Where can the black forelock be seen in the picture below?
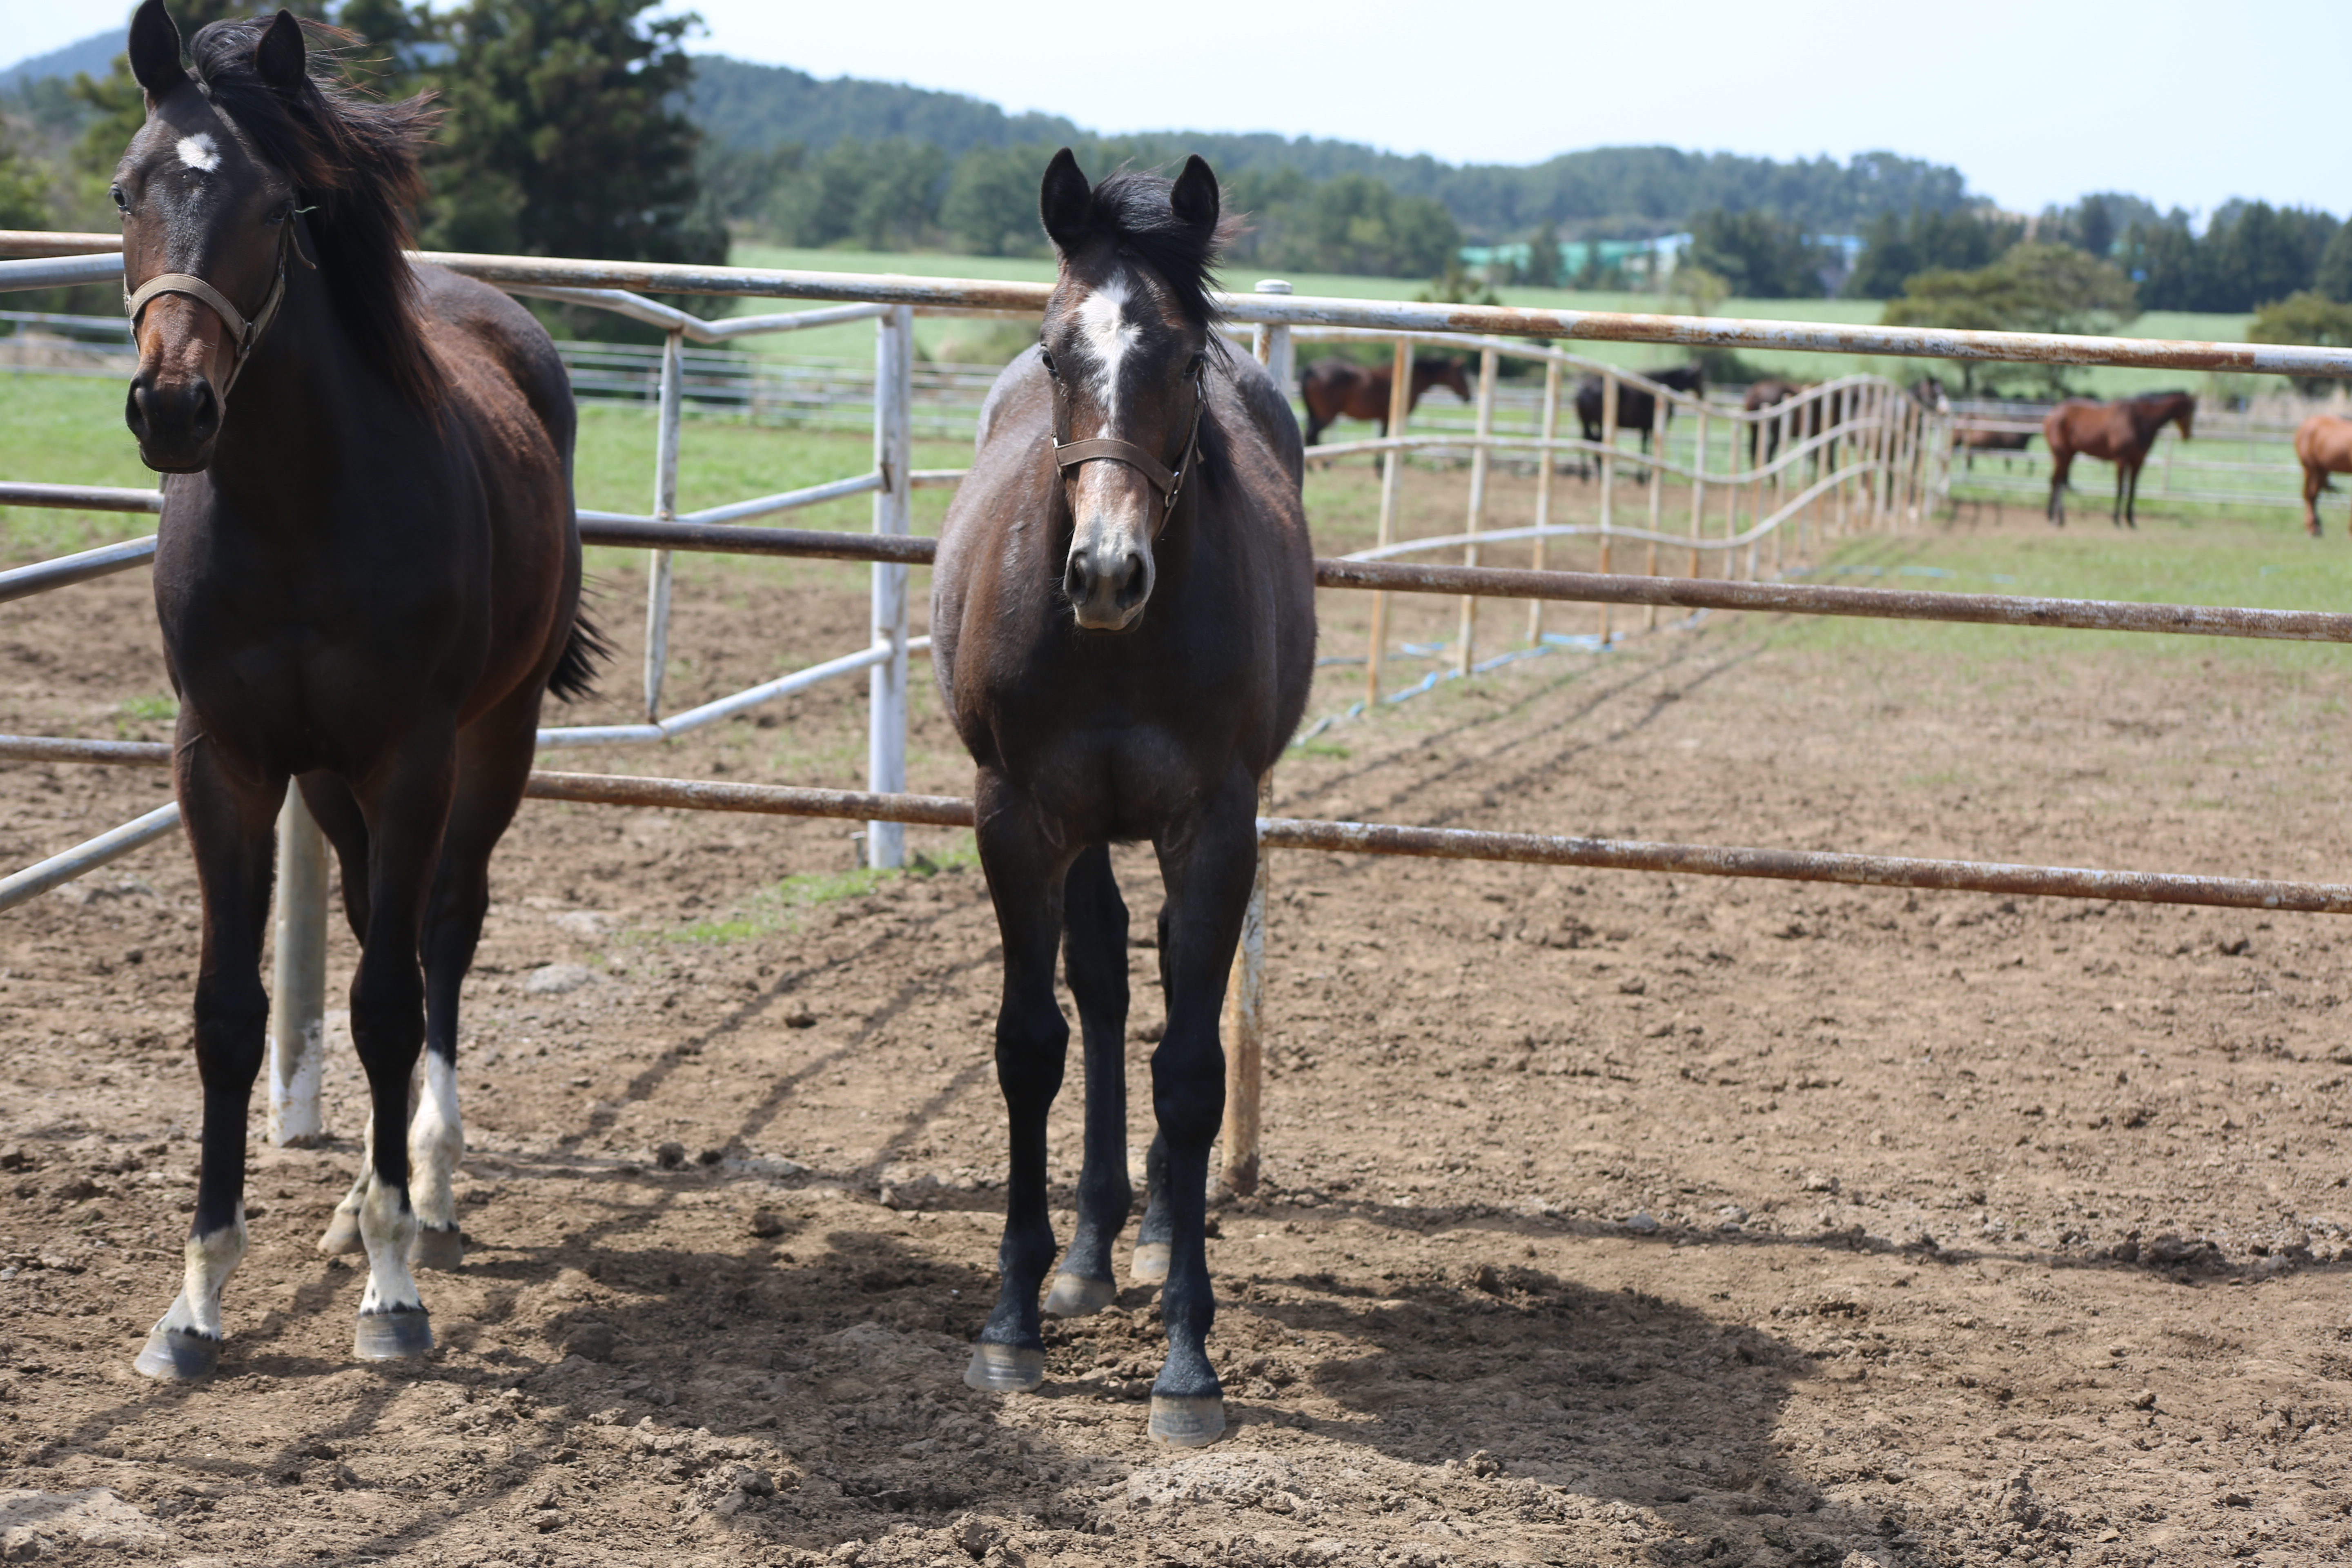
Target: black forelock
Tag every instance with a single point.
(354, 161)
(1133, 210)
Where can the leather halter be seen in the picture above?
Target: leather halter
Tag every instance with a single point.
(1169, 482)
(245, 331)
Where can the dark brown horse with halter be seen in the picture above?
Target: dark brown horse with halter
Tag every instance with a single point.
(1123, 629)
(1336, 389)
(367, 576)
(2324, 446)
(2120, 432)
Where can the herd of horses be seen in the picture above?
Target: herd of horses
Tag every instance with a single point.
(2120, 432)
(368, 580)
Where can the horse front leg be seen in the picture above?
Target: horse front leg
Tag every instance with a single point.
(2313, 480)
(230, 822)
(406, 805)
(1094, 960)
(1025, 869)
(1209, 864)
(2061, 463)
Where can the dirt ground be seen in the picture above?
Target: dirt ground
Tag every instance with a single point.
(1607, 1218)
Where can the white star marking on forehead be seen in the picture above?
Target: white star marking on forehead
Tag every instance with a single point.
(1102, 318)
(200, 152)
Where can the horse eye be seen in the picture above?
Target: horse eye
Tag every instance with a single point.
(122, 201)
(281, 213)
(1046, 355)
(1199, 359)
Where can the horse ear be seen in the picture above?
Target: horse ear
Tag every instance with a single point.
(1195, 196)
(155, 51)
(1061, 202)
(281, 57)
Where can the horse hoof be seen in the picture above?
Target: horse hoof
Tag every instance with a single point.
(394, 1335)
(1188, 1423)
(1150, 1264)
(1075, 1297)
(343, 1234)
(175, 1356)
(1004, 1369)
(436, 1247)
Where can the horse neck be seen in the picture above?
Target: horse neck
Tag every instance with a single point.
(289, 420)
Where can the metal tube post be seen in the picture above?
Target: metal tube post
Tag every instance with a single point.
(1272, 344)
(1658, 407)
(1488, 364)
(1608, 478)
(894, 457)
(1544, 461)
(1244, 1030)
(1392, 475)
(657, 577)
(1698, 484)
(297, 1002)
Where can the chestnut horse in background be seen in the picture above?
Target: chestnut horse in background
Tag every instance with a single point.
(1340, 389)
(2324, 446)
(2120, 432)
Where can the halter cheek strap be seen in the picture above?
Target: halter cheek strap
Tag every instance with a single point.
(1169, 482)
(244, 331)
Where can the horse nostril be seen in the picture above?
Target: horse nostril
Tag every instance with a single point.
(1130, 578)
(205, 416)
(1074, 575)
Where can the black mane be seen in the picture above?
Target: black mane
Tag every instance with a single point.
(355, 163)
(1133, 208)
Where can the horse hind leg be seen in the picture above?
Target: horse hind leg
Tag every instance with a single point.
(338, 815)
(1094, 957)
(494, 762)
(229, 827)
(408, 808)
(1148, 1265)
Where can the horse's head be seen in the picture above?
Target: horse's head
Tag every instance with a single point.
(207, 226)
(1448, 372)
(1128, 335)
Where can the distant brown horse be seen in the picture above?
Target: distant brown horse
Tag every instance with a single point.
(2324, 446)
(1637, 407)
(1340, 389)
(2120, 432)
(1972, 439)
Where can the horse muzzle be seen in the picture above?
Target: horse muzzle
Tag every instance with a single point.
(176, 420)
(1108, 581)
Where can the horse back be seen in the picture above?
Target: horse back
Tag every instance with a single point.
(512, 412)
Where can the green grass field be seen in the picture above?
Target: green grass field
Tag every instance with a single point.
(69, 430)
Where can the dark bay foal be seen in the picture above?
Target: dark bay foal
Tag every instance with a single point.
(367, 574)
(1123, 626)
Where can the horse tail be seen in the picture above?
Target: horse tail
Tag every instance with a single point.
(584, 649)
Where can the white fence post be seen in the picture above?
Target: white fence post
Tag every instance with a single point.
(1272, 344)
(1544, 460)
(1391, 477)
(1487, 362)
(298, 999)
(1244, 1031)
(657, 574)
(894, 456)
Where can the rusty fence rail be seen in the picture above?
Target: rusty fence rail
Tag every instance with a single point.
(1868, 450)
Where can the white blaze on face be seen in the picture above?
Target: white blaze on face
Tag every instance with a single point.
(1112, 501)
(199, 152)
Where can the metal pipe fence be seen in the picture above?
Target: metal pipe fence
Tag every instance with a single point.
(1854, 454)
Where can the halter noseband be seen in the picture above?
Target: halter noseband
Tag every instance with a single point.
(245, 331)
(1169, 482)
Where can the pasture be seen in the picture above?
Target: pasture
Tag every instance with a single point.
(1607, 1218)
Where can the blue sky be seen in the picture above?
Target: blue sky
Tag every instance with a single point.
(2035, 102)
